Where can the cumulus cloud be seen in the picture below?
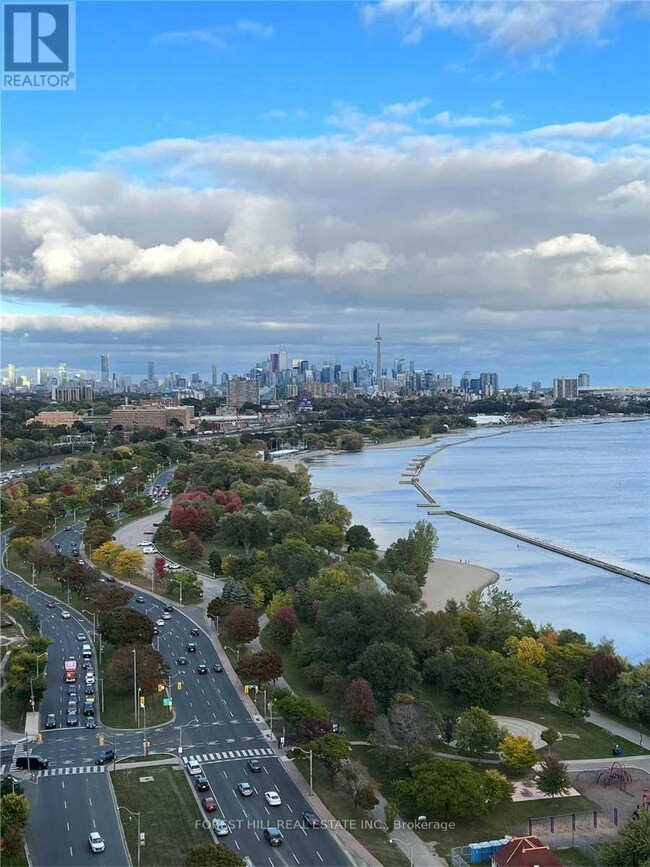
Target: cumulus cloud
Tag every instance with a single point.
(456, 121)
(81, 324)
(512, 27)
(220, 37)
(619, 126)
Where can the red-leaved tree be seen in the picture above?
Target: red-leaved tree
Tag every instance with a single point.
(158, 569)
(285, 623)
(360, 701)
(242, 625)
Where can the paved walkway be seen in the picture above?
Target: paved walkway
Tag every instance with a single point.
(609, 724)
(419, 853)
(517, 726)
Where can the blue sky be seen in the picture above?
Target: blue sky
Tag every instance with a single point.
(229, 177)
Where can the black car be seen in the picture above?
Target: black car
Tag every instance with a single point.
(105, 756)
(190, 647)
(202, 784)
(110, 579)
(139, 598)
(182, 660)
(168, 608)
(89, 709)
(90, 722)
(72, 719)
(254, 766)
(86, 664)
(89, 689)
(202, 668)
(50, 721)
(218, 667)
(310, 819)
(273, 836)
(156, 631)
(194, 631)
(72, 689)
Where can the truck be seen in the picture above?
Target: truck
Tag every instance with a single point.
(70, 666)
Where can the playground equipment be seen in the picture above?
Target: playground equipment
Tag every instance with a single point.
(616, 775)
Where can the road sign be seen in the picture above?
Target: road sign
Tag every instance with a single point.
(167, 702)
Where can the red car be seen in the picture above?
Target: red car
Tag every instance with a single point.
(51, 604)
(209, 805)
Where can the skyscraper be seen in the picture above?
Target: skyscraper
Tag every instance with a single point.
(11, 374)
(215, 381)
(583, 380)
(105, 368)
(378, 371)
(565, 388)
(63, 371)
(489, 383)
(151, 371)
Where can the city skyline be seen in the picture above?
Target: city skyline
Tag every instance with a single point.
(417, 176)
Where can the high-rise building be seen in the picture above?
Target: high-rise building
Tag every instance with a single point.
(536, 385)
(378, 370)
(282, 359)
(583, 380)
(489, 384)
(195, 378)
(11, 374)
(151, 371)
(241, 391)
(63, 371)
(105, 364)
(465, 381)
(565, 389)
(215, 381)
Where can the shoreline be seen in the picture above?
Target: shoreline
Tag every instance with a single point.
(448, 579)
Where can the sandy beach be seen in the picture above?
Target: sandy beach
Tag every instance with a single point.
(451, 579)
(290, 461)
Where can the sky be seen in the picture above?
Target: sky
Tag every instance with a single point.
(232, 177)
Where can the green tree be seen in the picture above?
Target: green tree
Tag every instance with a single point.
(297, 645)
(365, 798)
(236, 593)
(125, 626)
(358, 536)
(23, 545)
(209, 855)
(552, 778)
(550, 736)
(443, 788)
(214, 562)
(477, 733)
(327, 536)
(296, 560)
(295, 709)
(7, 787)
(13, 841)
(263, 665)
(573, 699)
(389, 668)
(14, 810)
(521, 681)
(413, 554)
(518, 752)
(331, 749)
(633, 846)
(248, 529)
(498, 789)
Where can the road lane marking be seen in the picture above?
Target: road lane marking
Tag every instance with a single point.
(289, 808)
(257, 835)
(67, 824)
(319, 854)
(304, 832)
(71, 852)
(296, 860)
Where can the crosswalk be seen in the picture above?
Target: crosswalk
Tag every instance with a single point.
(229, 755)
(61, 772)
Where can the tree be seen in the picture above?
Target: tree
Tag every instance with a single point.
(263, 665)
(106, 598)
(413, 554)
(550, 736)
(521, 681)
(498, 789)
(477, 733)
(193, 547)
(218, 607)
(13, 841)
(633, 846)
(388, 668)
(365, 798)
(127, 564)
(284, 624)
(297, 646)
(327, 536)
(470, 673)
(442, 788)
(236, 593)
(360, 701)
(331, 749)
(186, 583)
(242, 625)
(330, 510)
(209, 855)
(214, 562)
(296, 560)
(526, 649)
(14, 810)
(7, 786)
(295, 709)
(280, 599)
(125, 626)
(23, 545)
(630, 694)
(358, 536)
(249, 529)
(552, 778)
(602, 670)
(76, 577)
(151, 669)
(573, 699)
(107, 553)
(158, 570)
(518, 752)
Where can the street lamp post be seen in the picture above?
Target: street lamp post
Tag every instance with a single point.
(93, 614)
(228, 647)
(181, 726)
(309, 753)
(37, 658)
(135, 684)
(131, 814)
(397, 843)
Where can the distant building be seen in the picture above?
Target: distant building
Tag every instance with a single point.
(241, 391)
(489, 384)
(536, 385)
(583, 380)
(105, 365)
(565, 389)
(54, 419)
(151, 371)
(215, 381)
(72, 392)
(152, 417)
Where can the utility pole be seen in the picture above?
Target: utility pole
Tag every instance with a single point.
(135, 684)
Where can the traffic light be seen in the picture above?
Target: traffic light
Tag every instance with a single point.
(161, 687)
(246, 689)
(101, 740)
(39, 738)
(179, 684)
(141, 701)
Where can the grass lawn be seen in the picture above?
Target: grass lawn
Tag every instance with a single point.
(170, 816)
(13, 860)
(341, 806)
(577, 857)
(12, 713)
(118, 706)
(153, 757)
(208, 547)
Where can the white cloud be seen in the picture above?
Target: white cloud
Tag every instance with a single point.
(216, 37)
(80, 324)
(404, 109)
(513, 27)
(619, 126)
(456, 121)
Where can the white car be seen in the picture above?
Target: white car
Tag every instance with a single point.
(65, 615)
(149, 551)
(96, 842)
(220, 827)
(193, 767)
(143, 544)
(167, 616)
(90, 678)
(160, 622)
(272, 799)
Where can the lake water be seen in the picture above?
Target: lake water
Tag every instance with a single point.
(583, 486)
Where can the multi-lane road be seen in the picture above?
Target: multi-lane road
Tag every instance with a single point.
(73, 797)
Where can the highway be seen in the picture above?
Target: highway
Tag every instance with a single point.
(216, 729)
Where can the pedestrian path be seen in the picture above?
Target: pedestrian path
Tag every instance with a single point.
(62, 772)
(229, 755)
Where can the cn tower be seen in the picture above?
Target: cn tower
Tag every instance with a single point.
(378, 339)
